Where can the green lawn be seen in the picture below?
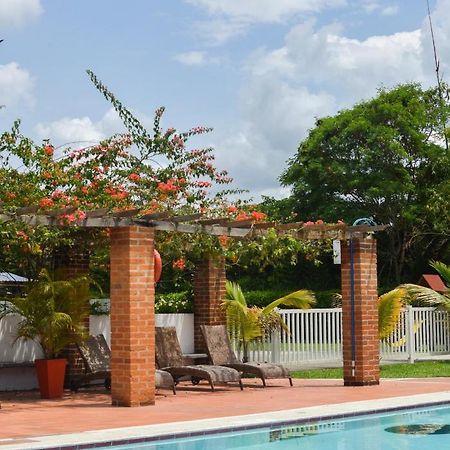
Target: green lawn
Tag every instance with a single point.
(417, 370)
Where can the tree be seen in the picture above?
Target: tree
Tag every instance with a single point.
(384, 158)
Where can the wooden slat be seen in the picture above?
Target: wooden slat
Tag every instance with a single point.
(60, 211)
(186, 218)
(125, 213)
(290, 226)
(27, 210)
(239, 223)
(217, 221)
(155, 216)
(100, 212)
(264, 225)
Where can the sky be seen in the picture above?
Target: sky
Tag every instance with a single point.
(258, 71)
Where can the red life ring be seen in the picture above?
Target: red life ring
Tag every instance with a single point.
(158, 265)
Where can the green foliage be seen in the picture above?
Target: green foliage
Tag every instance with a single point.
(383, 158)
(174, 302)
(249, 323)
(389, 308)
(53, 312)
(429, 297)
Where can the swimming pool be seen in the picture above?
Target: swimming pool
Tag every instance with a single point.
(407, 430)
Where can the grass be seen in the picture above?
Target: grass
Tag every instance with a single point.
(417, 370)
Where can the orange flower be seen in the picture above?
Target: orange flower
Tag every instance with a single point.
(22, 235)
(258, 216)
(48, 149)
(223, 240)
(46, 203)
(242, 216)
(232, 209)
(134, 177)
(179, 264)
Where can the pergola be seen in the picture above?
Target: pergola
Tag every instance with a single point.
(133, 292)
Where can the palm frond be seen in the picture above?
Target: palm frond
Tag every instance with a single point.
(302, 299)
(234, 292)
(389, 308)
(443, 270)
(426, 296)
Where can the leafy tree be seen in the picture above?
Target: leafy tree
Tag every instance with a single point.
(384, 158)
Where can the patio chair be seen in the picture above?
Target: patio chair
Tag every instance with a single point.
(96, 355)
(220, 353)
(170, 358)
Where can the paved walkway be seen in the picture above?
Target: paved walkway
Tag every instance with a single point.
(24, 415)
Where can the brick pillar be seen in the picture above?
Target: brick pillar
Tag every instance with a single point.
(70, 263)
(365, 341)
(132, 316)
(209, 292)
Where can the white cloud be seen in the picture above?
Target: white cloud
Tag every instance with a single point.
(317, 72)
(231, 18)
(16, 13)
(390, 10)
(193, 58)
(264, 10)
(16, 85)
(80, 129)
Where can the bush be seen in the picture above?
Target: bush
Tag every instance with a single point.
(174, 302)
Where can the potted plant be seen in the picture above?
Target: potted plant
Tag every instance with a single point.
(54, 314)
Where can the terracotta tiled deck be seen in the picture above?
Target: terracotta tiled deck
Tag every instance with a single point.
(24, 415)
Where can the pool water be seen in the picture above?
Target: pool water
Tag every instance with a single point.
(419, 429)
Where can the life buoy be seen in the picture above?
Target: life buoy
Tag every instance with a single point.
(158, 265)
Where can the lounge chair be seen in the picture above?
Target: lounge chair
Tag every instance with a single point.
(170, 358)
(220, 353)
(96, 355)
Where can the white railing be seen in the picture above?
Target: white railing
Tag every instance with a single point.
(315, 336)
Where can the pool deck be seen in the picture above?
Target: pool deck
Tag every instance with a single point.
(27, 422)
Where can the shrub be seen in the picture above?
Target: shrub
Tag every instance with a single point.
(174, 302)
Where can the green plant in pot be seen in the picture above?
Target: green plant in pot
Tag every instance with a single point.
(53, 314)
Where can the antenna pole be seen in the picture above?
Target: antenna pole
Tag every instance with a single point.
(437, 67)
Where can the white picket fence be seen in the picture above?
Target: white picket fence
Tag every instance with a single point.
(315, 336)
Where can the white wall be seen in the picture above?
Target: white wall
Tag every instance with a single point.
(184, 323)
(23, 378)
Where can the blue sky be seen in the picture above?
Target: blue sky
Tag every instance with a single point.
(258, 71)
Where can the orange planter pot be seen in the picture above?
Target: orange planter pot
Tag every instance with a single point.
(50, 373)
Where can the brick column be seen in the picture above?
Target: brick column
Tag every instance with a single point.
(70, 263)
(365, 327)
(209, 292)
(132, 316)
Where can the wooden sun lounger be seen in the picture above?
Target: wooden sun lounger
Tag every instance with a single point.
(170, 358)
(221, 354)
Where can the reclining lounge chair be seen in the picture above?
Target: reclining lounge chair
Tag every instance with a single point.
(170, 358)
(97, 356)
(221, 354)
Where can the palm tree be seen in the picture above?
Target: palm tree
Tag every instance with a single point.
(429, 297)
(250, 323)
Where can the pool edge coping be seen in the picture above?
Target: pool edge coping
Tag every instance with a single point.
(200, 427)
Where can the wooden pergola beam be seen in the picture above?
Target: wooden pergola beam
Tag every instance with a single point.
(238, 229)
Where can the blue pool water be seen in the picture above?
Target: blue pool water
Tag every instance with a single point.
(427, 429)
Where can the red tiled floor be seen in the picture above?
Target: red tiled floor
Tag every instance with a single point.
(25, 414)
